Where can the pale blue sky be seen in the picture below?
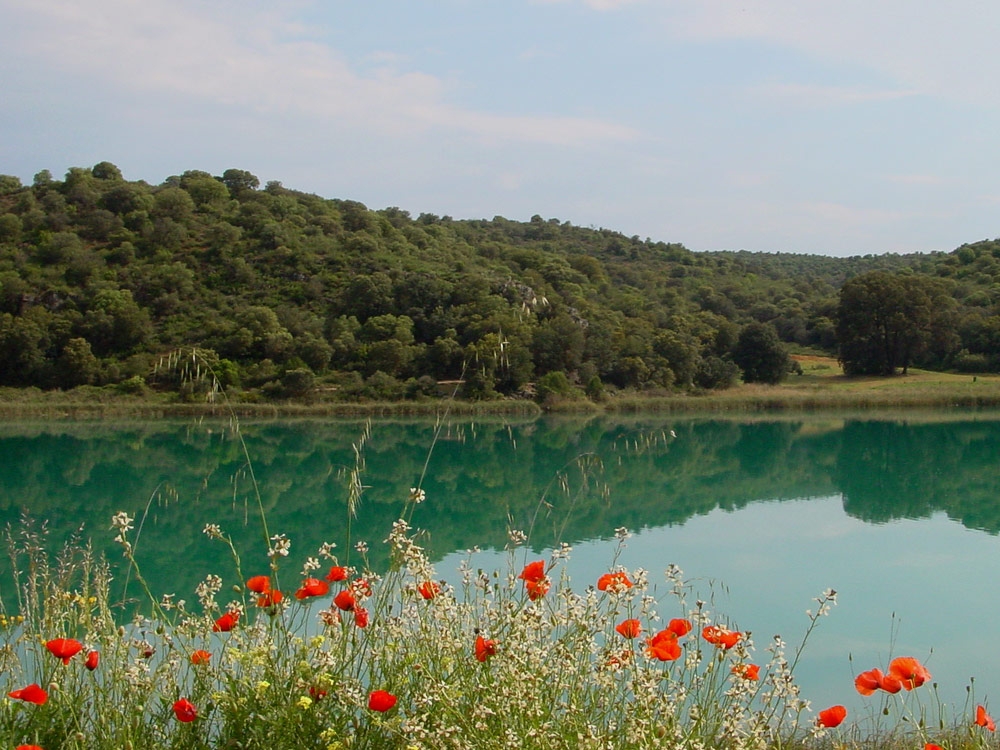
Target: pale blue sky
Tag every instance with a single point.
(843, 127)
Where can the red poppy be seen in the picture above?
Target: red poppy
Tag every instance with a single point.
(537, 589)
(617, 581)
(380, 700)
(337, 573)
(201, 656)
(747, 671)
(64, 648)
(270, 598)
(28, 747)
(226, 623)
(868, 682)
(664, 646)
(185, 711)
(317, 693)
(721, 637)
(909, 671)
(831, 717)
(93, 659)
(629, 628)
(312, 587)
(345, 600)
(679, 626)
(259, 584)
(30, 694)
(485, 648)
(361, 617)
(932, 746)
(429, 589)
(983, 719)
(533, 572)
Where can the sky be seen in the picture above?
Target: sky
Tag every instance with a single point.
(844, 127)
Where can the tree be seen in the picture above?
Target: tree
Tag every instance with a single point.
(886, 320)
(239, 181)
(760, 354)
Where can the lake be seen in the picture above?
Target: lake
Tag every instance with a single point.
(899, 513)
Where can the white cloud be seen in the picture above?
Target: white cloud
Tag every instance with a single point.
(935, 49)
(249, 56)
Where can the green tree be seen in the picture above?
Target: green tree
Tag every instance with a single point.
(760, 354)
(886, 320)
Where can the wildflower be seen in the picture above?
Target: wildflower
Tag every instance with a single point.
(619, 659)
(983, 719)
(721, 637)
(679, 626)
(64, 648)
(932, 746)
(533, 572)
(485, 648)
(30, 694)
(868, 682)
(259, 584)
(663, 646)
(747, 671)
(629, 628)
(909, 671)
(280, 545)
(28, 747)
(361, 617)
(201, 656)
(226, 623)
(345, 600)
(616, 582)
(329, 617)
(831, 717)
(429, 589)
(304, 701)
(337, 573)
(312, 587)
(417, 495)
(380, 700)
(185, 711)
(93, 659)
(270, 598)
(317, 693)
(537, 589)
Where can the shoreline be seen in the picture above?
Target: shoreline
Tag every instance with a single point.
(835, 396)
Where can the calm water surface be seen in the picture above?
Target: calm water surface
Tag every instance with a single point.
(899, 514)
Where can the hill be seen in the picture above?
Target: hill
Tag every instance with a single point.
(287, 294)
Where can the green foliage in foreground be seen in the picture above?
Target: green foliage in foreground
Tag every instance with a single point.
(292, 296)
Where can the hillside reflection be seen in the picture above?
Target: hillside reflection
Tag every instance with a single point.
(562, 479)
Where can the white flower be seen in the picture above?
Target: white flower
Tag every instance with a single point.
(280, 545)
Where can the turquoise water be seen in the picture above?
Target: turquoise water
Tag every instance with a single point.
(899, 514)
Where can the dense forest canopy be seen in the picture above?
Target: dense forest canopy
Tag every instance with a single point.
(288, 294)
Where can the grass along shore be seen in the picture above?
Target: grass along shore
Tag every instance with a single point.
(821, 386)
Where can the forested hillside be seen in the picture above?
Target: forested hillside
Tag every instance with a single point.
(289, 294)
